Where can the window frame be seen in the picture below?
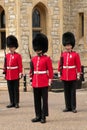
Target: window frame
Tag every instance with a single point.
(2, 29)
(36, 29)
(81, 25)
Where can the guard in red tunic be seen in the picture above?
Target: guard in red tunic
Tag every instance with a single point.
(13, 71)
(70, 69)
(41, 78)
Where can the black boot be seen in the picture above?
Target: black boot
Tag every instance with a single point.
(10, 105)
(74, 111)
(17, 105)
(67, 110)
(43, 119)
(36, 119)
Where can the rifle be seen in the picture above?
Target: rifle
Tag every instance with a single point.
(31, 63)
(5, 64)
(61, 62)
(82, 73)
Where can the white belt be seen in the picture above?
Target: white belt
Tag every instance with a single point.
(69, 67)
(40, 72)
(12, 68)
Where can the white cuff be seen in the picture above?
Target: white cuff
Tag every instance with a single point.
(78, 75)
(49, 82)
(20, 75)
(58, 74)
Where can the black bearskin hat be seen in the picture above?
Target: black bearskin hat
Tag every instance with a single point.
(12, 41)
(68, 38)
(40, 42)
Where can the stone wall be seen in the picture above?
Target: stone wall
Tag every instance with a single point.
(66, 15)
(61, 16)
(55, 29)
(25, 29)
(77, 7)
(24, 14)
(19, 23)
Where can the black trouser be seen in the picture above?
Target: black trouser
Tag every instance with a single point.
(41, 101)
(70, 94)
(13, 89)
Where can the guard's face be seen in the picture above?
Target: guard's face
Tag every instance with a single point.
(68, 47)
(12, 49)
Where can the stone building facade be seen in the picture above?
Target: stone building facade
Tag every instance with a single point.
(24, 18)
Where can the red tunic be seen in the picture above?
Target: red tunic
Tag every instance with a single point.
(71, 66)
(13, 66)
(43, 71)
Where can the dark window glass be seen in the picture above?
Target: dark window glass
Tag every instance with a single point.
(2, 29)
(3, 19)
(36, 18)
(82, 24)
(3, 42)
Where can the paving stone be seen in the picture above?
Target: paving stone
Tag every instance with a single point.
(20, 119)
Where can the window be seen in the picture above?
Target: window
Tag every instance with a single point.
(2, 28)
(36, 19)
(81, 25)
(39, 19)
